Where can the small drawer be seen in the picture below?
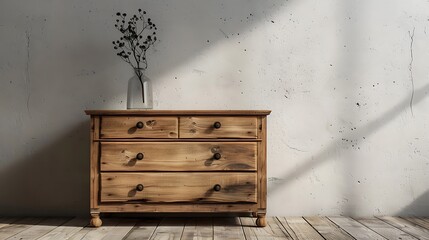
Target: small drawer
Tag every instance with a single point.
(218, 127)
(179, 187)
(178, 156)
(139, 127)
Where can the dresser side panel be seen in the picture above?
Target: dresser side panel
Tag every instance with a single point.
(262, 164)
(94, 156)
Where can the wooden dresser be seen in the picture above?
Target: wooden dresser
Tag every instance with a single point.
(178, 161)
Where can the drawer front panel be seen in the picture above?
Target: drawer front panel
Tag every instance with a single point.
(179, 187)
(139, 127)
(218, 127)
(178, 156)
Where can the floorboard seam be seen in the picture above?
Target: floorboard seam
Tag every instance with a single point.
(369, 228)
(313, 228)
(281, 224)
(414, 223)
(341, 228)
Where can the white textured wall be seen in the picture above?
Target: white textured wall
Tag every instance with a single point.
(347, 82)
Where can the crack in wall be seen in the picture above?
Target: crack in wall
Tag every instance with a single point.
(296, 149)
(27, 72)
(410, 68)
(224, 34)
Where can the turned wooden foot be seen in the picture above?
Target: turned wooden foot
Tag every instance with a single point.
(95, 220)
(261, 221)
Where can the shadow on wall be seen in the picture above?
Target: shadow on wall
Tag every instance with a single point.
(52, 180)
(324, 154)
(188, 28)
(415, 208)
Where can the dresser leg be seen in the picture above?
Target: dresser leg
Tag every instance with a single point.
(261, 221)
(95, 220)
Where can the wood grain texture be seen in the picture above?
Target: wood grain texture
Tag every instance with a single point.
(116, 141)
(327, 229)
(300, 228)
(144, 229)
(411, 228)
(18, 226)
(178, 156)
(178, 187)
(208, 228)
(178, 112)
(66, 230)
(121, 230)
(42, 228)
(231, 127)
(96, 233)
(419, 221)
(355, 229)
(125, 127)
(179, 207)
(227, 229)
(384, 229)
(178, 140)
(262, 163)
(169, 229)
(198, 229)
(273, 230)
(94, 166)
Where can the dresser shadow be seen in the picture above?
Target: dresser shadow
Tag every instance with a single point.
(50, 180)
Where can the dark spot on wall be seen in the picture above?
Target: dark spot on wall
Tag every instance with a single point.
(358, 104)
(208, 40)
(272, 21)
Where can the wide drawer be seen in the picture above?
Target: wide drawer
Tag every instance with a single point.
(179, 187)
(139, 127)
(218, 127)
(178, 156)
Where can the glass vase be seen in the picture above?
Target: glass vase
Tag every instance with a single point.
(139, 95)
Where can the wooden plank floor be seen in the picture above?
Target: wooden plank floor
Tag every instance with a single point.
(242, 228)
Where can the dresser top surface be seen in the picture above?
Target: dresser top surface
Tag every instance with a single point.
(178, 112)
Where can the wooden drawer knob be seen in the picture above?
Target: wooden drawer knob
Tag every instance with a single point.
(139, 187)
(217, 156)
(139, 125)
(217, 187)
(139, 156)
(217, 125)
